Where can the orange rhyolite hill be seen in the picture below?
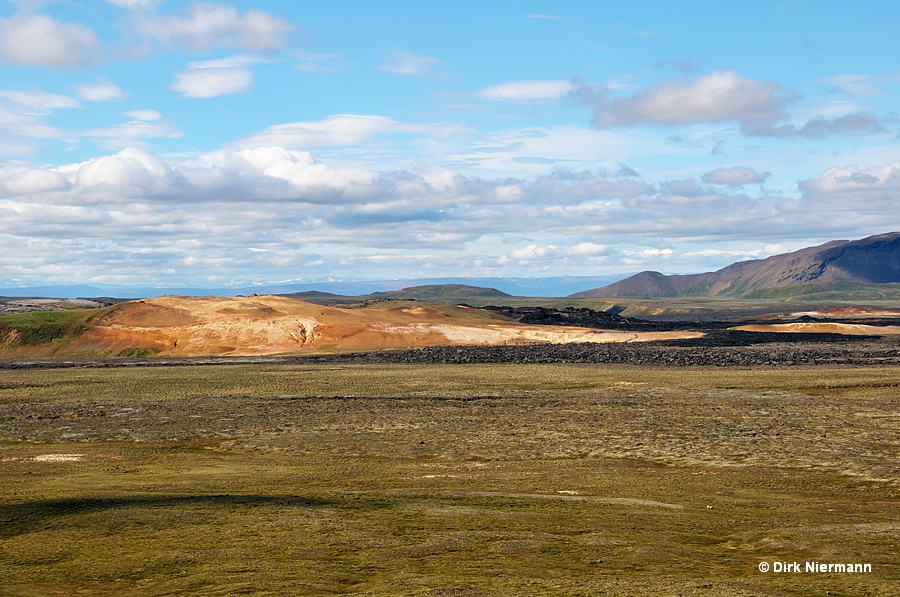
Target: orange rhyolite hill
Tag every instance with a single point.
(260, 325)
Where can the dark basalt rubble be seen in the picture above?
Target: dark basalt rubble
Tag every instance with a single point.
(650, 354)
(584, 317)
(808, 350)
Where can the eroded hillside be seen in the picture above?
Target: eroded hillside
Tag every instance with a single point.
(259, 325)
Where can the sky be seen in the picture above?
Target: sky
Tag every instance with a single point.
(148, 142)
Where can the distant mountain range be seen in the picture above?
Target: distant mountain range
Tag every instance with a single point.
(872, 260)
(841, 268)
(553, 286)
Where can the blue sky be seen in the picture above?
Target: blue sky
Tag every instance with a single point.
(212, 144)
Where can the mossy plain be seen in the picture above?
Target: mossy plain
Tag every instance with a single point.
(446, 480)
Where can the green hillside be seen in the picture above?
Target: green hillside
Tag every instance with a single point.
(43, 327)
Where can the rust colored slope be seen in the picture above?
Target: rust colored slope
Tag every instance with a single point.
(270, 325)
(848, 329)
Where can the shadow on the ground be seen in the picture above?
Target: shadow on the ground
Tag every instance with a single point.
(27, 517)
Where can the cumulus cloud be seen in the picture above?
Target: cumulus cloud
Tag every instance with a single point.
(38, 40)
(101, 91)
(531, 253)
(20, 180)
(39, 100)
(534, 252)
(212, 78)
(870, 189)
(736, 176)
(721, 96)
(525, 90)
(206, 26)
(664, 253)
(131, 170)
(588, 248)
(406, 63)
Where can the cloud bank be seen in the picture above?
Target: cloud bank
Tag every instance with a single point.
(241, 212)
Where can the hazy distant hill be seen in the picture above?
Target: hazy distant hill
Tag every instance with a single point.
(872, 260)
(433, 291)
(428, 292)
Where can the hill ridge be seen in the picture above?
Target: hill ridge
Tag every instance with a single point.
(871, 260)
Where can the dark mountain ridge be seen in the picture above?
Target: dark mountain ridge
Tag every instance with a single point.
(872, 260)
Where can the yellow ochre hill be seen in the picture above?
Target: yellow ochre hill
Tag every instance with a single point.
(259, 325)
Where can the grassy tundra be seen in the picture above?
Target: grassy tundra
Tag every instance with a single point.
(447, 480)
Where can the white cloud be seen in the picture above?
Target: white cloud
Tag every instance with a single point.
(646, 253)
(144, 115)
(207, 26)
(526, 90)
(336, 130)
(720, 96)
(101, 91)
(132, 133)
(405, 63)
(589, 249)
(534, 252)
(736, 176)
(24, 181)
(867, 190)
(341, 130)
(135, 214)
(212, 78)
(39, 100)
(38, 40)
(131, 170)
